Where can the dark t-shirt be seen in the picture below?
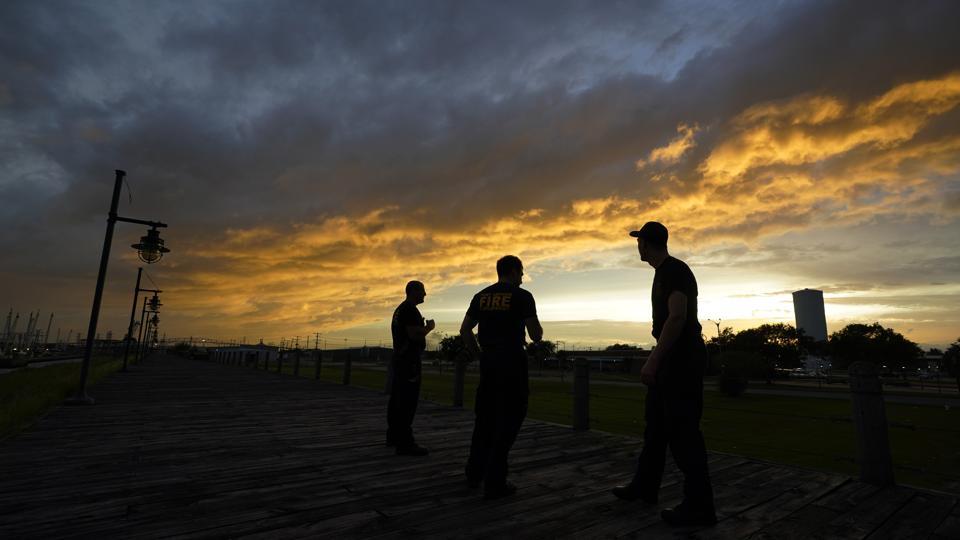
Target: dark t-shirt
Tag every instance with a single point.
(675, 275)
(501, 310)
(406, 315)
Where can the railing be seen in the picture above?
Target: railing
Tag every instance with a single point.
(584, 404)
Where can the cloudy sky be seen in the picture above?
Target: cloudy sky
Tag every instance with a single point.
(311, 157)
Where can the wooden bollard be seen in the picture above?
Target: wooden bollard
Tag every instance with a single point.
(459, 375)
(296, 363)
(388, 383)
(870, 419)
(316, 372)
(581, 395)
(346, 369)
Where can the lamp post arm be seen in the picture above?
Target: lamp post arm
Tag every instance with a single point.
(141, 222)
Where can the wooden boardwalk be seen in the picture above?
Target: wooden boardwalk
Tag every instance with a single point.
(199, 450)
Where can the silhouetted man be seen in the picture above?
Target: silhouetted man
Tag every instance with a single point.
(674, 376)
(409, 340)
(503, 311)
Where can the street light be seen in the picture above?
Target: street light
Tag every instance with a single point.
(151, 305)
(133, 311)
(153, 251)
(717, 322)
(150, 249)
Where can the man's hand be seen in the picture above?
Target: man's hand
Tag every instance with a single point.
(648, 375)
(431, 325)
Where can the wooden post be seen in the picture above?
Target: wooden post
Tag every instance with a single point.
(316, 373)
(346, 369)
(388, 383)
(459, 374)
(581, 395)
(280, 362)
(870, 419)
(296, 363)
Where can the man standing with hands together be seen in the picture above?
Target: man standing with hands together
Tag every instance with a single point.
(409, 341)
(674, 376)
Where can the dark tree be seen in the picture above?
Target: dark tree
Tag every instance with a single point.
(776, 345)
(723, 342)
(623, 347)
(951, 361)
(873, 343)
(541, 350)
(451, 347)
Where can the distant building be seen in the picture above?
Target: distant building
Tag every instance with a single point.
(808, 310)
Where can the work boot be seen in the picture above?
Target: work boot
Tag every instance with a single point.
(505, 490)
(631, 493)
(683, 515)
(412, 450)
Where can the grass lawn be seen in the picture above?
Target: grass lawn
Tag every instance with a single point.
(28, 394)
(809, 432)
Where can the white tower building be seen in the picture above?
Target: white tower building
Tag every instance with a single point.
(808, 310)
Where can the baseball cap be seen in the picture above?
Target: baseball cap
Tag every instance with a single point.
(652, 231)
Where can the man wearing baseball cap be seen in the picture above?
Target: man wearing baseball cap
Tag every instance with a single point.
(674, 377)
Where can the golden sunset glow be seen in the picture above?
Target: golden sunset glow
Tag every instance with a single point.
(305, 184)
(771, 173)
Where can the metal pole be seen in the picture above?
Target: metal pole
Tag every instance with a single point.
(133, 313)
(142, 333)
(81, 397)
(46, 338)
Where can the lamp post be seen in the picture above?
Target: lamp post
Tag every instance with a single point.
(133, 312)
(717, 322)
(150, 249)
(149, 306)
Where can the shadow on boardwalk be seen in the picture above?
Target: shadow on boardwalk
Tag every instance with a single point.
(195, 449)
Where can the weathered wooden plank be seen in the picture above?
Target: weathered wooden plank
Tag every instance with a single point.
(193, 449)
(866, 517)
(811, 487)
(918, 518)
(950, 527)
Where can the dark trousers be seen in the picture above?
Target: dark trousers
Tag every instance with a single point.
(404, 395)
(672, 415)
(500, 409)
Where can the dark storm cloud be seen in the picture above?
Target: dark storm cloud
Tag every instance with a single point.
(265, 116)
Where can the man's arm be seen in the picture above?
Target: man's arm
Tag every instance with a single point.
(672, 329)
(534, 330)
(417, 332)
(469, 339)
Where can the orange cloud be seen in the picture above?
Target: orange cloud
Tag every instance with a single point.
(672, 152)
(775, 167)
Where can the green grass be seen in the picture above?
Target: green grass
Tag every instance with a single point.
(809, 432)
(28, 394)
